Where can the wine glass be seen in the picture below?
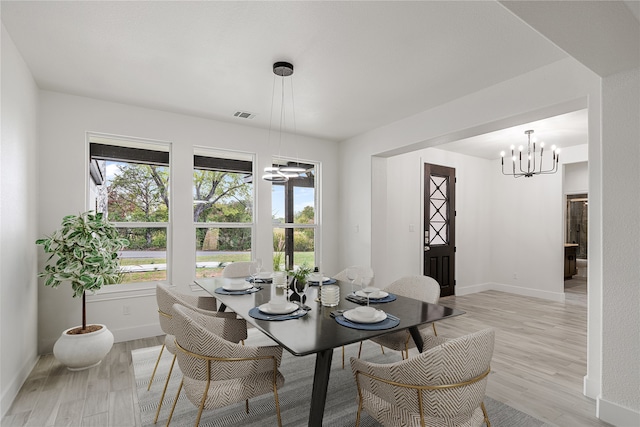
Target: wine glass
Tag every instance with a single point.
(258, 265)
(352, 275)
(253, 272)
(367, 277)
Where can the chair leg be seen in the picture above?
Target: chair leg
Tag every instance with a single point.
(156, 367)
(342, 357)
(166, 383)
(359, 410)
(201, 408)
(275, 396)
(486, 416)
(382, 348)
(360, 350)
(433, 325)
(246, 406)
(174, 403)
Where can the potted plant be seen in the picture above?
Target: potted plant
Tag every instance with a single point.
(84, 252)
(298, 278)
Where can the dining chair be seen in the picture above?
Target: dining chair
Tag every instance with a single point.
(238, 269)
(443, 386)
(217, 372)
(423, 288)
(167, 296)
(342, 277)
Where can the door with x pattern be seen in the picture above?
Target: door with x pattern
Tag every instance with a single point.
(439, 226)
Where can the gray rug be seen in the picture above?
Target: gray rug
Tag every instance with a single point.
(340, 409)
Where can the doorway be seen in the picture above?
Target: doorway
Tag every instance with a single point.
(440, 226)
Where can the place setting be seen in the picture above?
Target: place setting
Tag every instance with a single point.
(366, 318)
(314, 279)
(261, 277)
(237, 287)
(282, 307)
(370, 295)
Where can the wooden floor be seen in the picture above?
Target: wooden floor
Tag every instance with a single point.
(538, 367)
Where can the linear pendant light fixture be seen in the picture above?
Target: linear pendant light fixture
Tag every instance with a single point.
(275, 173)
(532, 158)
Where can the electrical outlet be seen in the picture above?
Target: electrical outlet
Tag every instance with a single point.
(126, 310)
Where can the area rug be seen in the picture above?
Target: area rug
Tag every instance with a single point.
(295, 395)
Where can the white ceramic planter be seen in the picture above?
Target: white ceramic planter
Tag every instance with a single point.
(78, 352)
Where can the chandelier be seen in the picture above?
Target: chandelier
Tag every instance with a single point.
(282, 173)
(532, 158)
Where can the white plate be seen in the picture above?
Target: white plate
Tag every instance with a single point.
(235, 287)
(375, 295)
(289, 308)
(314, 279)
(353, 316)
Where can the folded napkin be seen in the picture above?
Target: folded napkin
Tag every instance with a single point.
(363, 300)
(223, 291)
(257, 314)
(388, 323)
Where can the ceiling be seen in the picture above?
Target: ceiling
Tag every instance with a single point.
(358, 65)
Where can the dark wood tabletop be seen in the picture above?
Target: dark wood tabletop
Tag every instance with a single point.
(317, 332)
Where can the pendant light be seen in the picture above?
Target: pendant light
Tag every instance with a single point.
(275, 173)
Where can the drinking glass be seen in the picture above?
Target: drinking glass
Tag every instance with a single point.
(366, 279)
(352, 275)
(253, 272)
(258, 265)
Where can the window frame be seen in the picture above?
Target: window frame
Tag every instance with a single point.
(219, 153)
(317, 225)
(134, 289)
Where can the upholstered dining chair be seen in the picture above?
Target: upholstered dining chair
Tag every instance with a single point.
(217, 372)
(443, 386)
(166, 296)
(423, 288)
(238, 269)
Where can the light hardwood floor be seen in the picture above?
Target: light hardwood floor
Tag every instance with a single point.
(538, 366)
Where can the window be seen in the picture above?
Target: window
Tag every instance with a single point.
(295, 221)
(129, 183)
(222, 209)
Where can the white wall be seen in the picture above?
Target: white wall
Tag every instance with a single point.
(576, 178)
(62, 180)
(619, 402)
(18, 208)
(405, 189)
(527, 248)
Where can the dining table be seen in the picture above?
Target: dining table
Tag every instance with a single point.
(317, 332)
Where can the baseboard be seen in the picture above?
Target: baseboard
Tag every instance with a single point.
(473, 289)
(590, 388)
(10, 393)
(137, 332)
(536, 293)
(616, 415)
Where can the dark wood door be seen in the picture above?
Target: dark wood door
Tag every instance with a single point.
(440, 226)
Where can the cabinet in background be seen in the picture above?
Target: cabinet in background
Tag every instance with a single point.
(570, 267)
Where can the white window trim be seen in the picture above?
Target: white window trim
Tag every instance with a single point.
(317, 210)
(138, 289)
(231, 154)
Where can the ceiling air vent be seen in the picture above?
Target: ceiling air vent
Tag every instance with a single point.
(244, 115)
